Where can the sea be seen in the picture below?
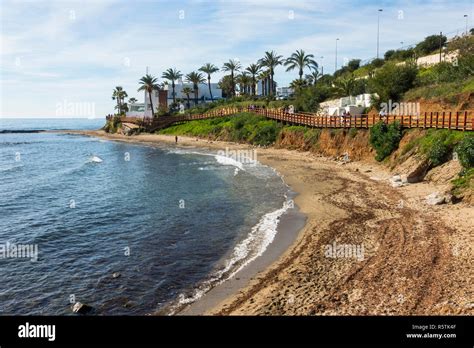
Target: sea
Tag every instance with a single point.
(127, 229)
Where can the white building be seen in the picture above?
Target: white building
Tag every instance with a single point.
(165, 98)
(284, 92)
(203, 93)
(353, 104)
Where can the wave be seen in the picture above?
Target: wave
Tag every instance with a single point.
(245, 252)
(7, 168)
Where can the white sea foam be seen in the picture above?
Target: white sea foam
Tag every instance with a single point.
(253, 246)
(95, 159)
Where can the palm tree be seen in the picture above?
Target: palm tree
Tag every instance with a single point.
(300, 60)
(187, 91)
(119, 94)
(132, 100)
(195, 78)
(313, 76)
(264, 76)
(244, 81)
(149, 84)
(271, 60)
(209, 69)
(345, 85)
(298, 84)
(232, 66)
(254, 70)
(172, 75)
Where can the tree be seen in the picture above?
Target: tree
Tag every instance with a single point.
(195, 78)
(119, 95)
(264, 77)
(132, 100)
(271, 60)
(313, 77)
(344, 85)
(226, 84)
(298, 84)
(172, 75)
(353, 65)
(391, 81)
(430, 43)
(300, 60)
(149, 84)
(253, 70)
(244, 81)
(187, 91)
(232, 66)
(209, 69)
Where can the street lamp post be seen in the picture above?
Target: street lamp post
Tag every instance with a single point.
(465, 16)
(335, 65)
(322, 66)
(378, 30)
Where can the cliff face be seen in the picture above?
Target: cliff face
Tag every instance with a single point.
(408, 160)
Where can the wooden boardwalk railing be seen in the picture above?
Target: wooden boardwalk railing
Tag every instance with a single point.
(459, 120)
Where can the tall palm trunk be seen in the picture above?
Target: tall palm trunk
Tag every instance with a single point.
(174, 94)
(196, 92)
(301, 74)
(151, 103)
(271, 82)
(233, 84)
(209, 85)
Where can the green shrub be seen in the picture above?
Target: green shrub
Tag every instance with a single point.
(385, 139)
(464, 181)
(437, 145)
(465, 151)
(438, 152)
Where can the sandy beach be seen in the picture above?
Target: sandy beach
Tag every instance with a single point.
(366, 248)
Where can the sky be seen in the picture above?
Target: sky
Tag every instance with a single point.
(64, 58)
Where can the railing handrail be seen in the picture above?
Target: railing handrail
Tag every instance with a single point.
(460, 119)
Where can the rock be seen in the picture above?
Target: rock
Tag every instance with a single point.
(414, 169)
(81, 308)
(435, 199)
(396, 178)
(116, 275)
(397, 181)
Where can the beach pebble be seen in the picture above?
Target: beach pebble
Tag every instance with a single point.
(116, 275)
(81, 308)
(436, 198)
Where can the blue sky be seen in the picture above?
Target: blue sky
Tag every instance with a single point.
(58, 52)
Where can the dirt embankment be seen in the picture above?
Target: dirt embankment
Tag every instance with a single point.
(353, 145)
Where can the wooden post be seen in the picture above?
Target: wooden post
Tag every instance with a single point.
(449, 121)
(442, 126)
(409, 120)
(457, 119)
(431, 119)
(465, 121)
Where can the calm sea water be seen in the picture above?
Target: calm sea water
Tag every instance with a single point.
(170, 222)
